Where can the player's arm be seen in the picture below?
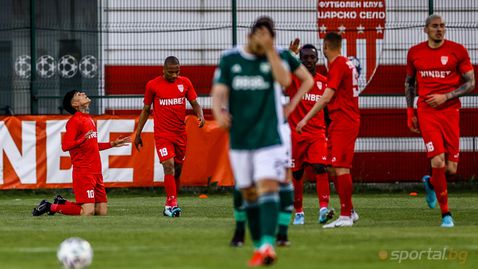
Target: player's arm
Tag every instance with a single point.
(465, 88)
(198, 111)
(220, 97)
(118, 142)
(410, 94)
(68, 141)
(306, 83)
(279, 72)
(143, 117)
(323, 101)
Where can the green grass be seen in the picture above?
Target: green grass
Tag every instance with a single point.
(136, 235)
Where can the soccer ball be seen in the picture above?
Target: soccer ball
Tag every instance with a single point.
(46, 66)
(75, 253)
(67, 66)
(23, 66)
(88, 66)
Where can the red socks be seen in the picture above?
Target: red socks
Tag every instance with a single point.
(323, 189)
(344, 189)
(170, 187)
(298, 194)
(438, 181)
(69, 208)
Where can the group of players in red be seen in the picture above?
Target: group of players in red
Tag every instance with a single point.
(438, 72)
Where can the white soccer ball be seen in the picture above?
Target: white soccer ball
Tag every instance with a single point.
(88, 66)
(67, 66)
(23, 66)
(46, 66)
(75, 253)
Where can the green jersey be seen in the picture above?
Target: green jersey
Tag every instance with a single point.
(254, 97)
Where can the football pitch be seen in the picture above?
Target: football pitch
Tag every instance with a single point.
(394, 231)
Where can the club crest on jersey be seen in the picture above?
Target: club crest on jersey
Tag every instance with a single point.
(236, 68)
(444, 60)
(181, 87)
(265, 68)
(319, 85)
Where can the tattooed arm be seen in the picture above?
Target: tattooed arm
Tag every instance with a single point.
(465, 88)
(410, 93)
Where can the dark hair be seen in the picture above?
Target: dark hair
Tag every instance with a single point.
(67, 101)
(308, 46)
(264, 21)
(333, 39)
(171, 60)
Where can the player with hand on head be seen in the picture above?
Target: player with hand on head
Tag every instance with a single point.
(246, 100)
(81, 141)
(439, 71)
(168, 94)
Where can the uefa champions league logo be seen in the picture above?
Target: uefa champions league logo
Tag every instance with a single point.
(46, 66)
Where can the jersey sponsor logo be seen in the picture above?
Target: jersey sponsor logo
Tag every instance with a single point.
(434, 74)
(171, 101)
(361, 24)
(250, 83)
(444, 60)
(311, 97)
(92, 135)
(181, 87)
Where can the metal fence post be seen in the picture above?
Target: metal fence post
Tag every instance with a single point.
(430, 7)
(33, 77)
(234, 23)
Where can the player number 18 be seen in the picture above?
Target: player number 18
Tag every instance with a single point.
(90, 193)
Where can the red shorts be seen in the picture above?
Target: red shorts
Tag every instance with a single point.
(310, 149)
(341, 144)
(441, 132)
(89, 188)
(171, 147)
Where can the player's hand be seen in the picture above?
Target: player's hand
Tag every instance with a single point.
(201, 121)
(121, 141)
(294, 46)
(300, 126)
(224, 120)
(138, 142)
(264, 38)
(435, 100)
(88, 134)
(412, 121)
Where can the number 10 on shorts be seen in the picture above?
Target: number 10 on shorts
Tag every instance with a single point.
(90, 194)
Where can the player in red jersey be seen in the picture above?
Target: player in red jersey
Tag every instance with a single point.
(81, 141)
(341, 98)
(310, 146)
(168, 94)
(439, 71)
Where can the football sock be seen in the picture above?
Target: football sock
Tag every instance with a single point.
(239, 211)
(253, 221)
(440, 186)
(323, 189)
(298, 194)
(170, 188)
(286, 197)
(66, 209)
(345, 194)
(269, 216)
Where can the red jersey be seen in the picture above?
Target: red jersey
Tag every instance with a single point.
(343, 78)
(169, 104)
(84, 151)
(438, 71)
(317, 123)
